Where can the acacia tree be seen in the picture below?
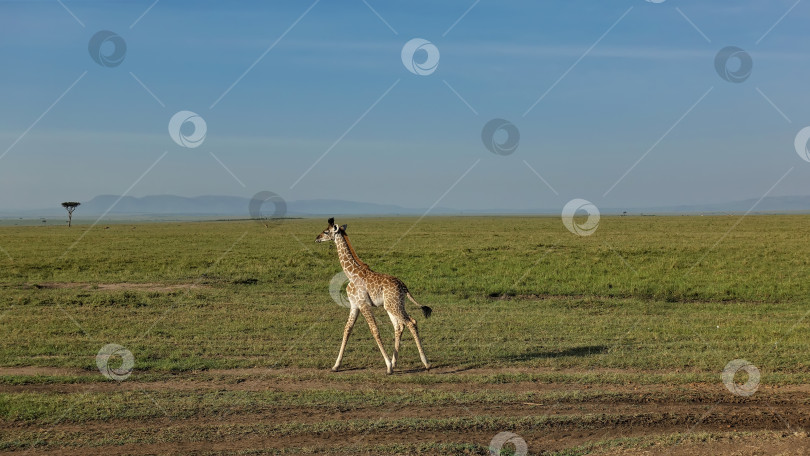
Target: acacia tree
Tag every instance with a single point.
(70, 206)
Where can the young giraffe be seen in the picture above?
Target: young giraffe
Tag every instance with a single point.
(368, 288)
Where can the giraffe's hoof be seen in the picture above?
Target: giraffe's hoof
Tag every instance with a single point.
(334, 369)
(427, 368)
(389, 371)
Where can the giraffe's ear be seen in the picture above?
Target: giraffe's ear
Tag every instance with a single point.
(343, 228)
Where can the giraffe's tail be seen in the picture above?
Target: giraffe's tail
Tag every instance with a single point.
(426, 311)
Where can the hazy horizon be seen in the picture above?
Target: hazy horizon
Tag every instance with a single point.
(621, 104)
(162, 207)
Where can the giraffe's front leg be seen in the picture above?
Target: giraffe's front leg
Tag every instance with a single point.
(372, 324)
(346, 332)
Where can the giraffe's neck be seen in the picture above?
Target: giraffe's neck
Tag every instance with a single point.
(352, 265)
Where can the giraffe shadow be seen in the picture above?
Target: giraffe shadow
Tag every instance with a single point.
(350, 369)
(414, 370)
(585, 350)
(582, 351)
(444, 368)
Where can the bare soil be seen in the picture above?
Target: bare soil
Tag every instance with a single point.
(670, 418)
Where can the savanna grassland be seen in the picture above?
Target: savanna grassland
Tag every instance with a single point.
(608, 344)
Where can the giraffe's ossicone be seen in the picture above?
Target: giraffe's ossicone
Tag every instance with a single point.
(369, 289)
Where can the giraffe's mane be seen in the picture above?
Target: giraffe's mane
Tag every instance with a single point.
(351, 250)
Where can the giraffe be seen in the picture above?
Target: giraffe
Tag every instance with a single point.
(369, 289)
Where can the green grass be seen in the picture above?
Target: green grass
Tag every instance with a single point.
(506, 291)
(645, 300)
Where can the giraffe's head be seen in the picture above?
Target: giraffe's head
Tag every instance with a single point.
(329, 233)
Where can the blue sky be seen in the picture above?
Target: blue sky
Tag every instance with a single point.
(621, 79)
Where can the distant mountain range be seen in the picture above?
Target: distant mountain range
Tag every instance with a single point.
(217, 206)
(237, 207)
(233, 206)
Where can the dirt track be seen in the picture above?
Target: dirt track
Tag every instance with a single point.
(622, 411)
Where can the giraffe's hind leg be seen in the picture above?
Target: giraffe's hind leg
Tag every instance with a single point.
(365, 309)
(398, 328)
(395, 305)
(346, 332)
(411, 323)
